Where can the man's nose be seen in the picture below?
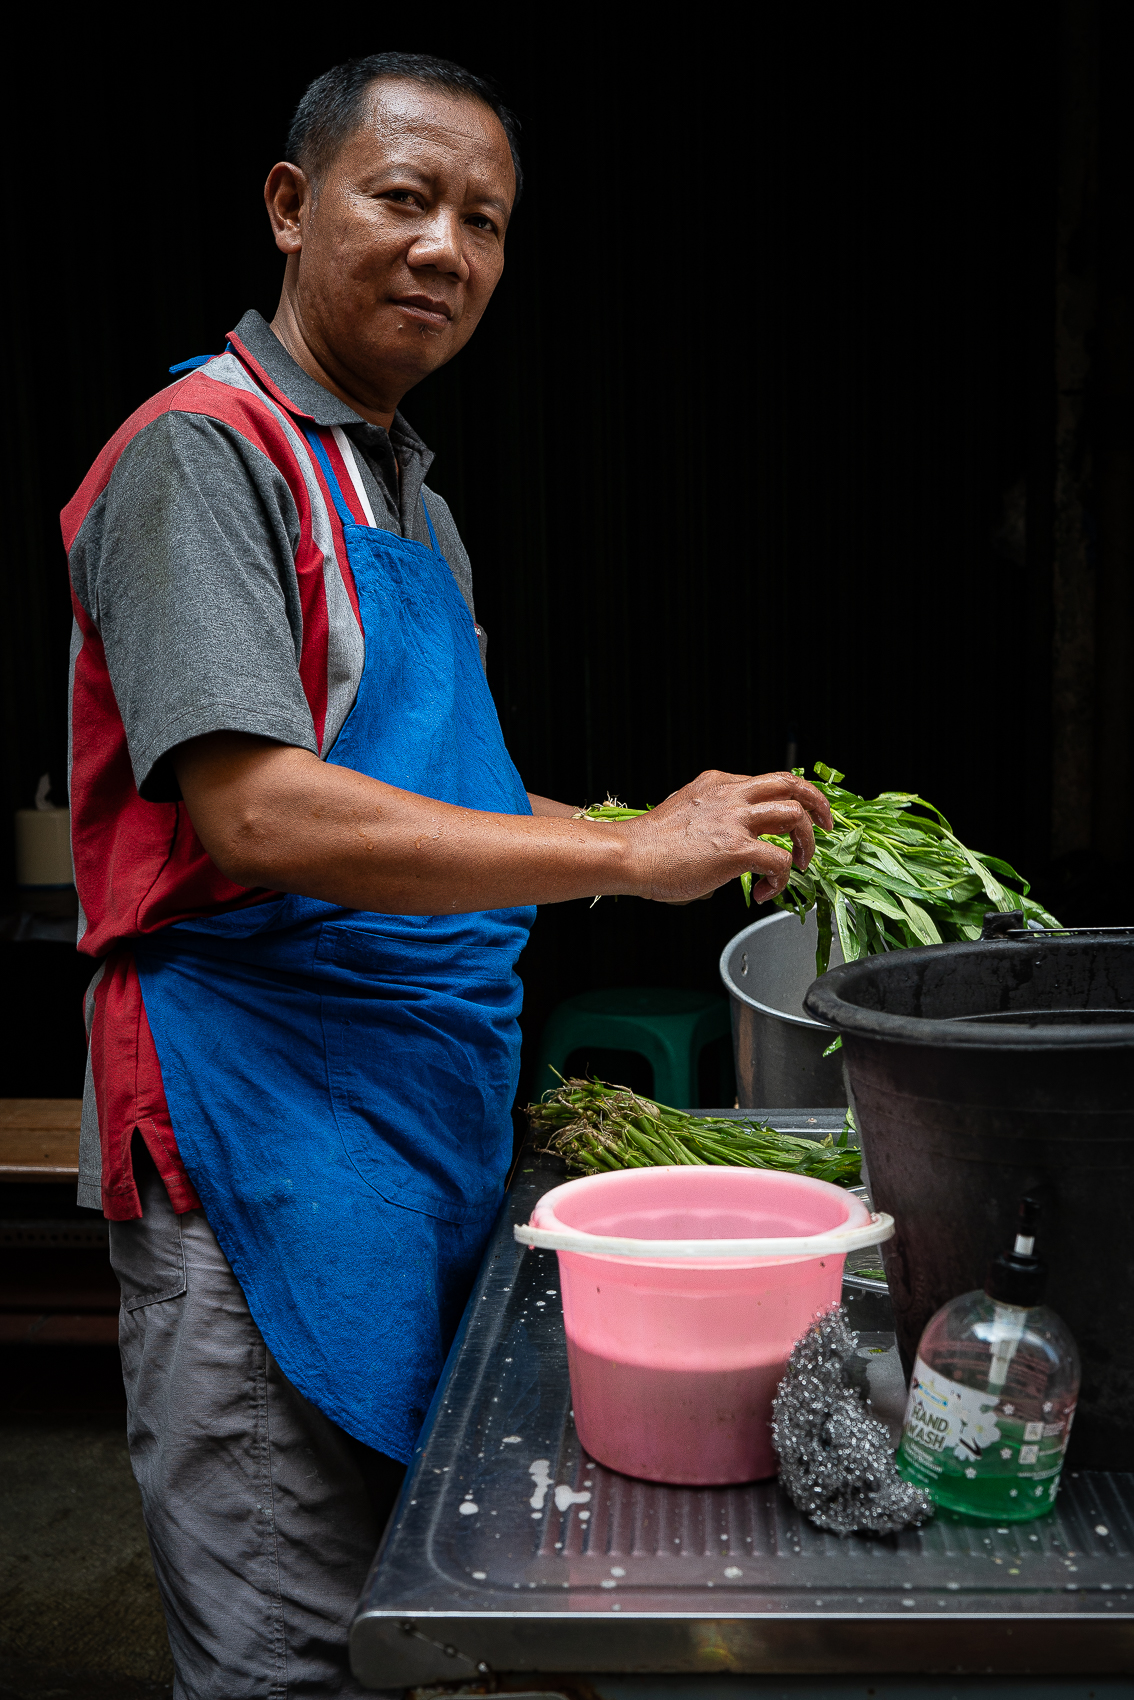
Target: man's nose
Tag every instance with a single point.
(440, 245)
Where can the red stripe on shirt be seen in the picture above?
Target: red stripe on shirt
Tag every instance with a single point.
(129, 1094)
(343, 474)
(139, 866)
(336, 459)
(313, 659)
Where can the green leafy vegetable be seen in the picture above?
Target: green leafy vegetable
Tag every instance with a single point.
(892, 873)
(597, 1126)
(889, 875)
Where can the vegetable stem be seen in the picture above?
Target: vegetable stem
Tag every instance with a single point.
(597, 1126)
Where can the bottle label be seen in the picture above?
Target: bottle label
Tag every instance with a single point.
(970, 1443)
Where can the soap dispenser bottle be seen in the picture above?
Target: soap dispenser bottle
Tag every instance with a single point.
(993, 1393)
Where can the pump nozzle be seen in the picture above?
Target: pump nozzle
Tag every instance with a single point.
(1026, 1231)
(1018, 1277)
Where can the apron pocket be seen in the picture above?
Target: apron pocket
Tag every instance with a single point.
(417, 1110)
(407, 952)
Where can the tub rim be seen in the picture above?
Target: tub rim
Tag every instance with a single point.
(825, 998)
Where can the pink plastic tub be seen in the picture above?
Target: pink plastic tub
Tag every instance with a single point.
(684, 1290)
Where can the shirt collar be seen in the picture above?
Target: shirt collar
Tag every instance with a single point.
(284, 378)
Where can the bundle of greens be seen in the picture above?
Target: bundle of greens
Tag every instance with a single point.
(890, 874)
(596, 1126)
(890, 878)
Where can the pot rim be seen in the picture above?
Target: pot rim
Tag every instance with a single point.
(825, 1001)
(738, 993)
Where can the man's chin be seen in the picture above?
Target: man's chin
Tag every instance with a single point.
(413, 353)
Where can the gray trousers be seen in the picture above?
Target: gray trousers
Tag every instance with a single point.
(263, 1515)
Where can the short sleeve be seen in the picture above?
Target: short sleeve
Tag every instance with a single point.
(186, 566)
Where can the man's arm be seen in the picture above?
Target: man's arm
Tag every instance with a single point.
(274, 816)
(547, 809)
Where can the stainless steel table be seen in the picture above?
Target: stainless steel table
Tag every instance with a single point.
(511, 1551)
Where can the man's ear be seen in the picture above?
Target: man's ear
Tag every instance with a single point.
(287, 196)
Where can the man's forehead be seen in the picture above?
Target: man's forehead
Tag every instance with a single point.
(401, 114)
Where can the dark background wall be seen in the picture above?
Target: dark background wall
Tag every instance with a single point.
(799, 427)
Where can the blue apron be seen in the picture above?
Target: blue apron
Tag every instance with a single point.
(340, 1082)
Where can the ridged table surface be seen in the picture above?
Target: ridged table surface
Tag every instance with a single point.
(504, 1517)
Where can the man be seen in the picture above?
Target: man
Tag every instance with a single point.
(310, 866)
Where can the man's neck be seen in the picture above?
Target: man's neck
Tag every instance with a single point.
(287, 328)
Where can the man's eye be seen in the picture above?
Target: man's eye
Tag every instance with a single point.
(480, 222)
(404, 195)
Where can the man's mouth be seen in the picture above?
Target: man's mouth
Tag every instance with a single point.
(426, 309)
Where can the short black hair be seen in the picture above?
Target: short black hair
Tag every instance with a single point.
(331, 108)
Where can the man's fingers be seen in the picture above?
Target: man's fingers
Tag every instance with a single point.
(788, 817)
(803, 838)
(815, 803)
(713, 787)
(775, 866)
(770, 886)
(709, 781)
(772, 787)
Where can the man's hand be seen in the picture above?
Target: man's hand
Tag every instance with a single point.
(710, 832)
(276, 817)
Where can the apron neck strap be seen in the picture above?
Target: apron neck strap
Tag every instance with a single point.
(333, 485)
(337, 497)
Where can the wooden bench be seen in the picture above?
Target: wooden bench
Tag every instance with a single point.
(56, 1283)
(39, 1139)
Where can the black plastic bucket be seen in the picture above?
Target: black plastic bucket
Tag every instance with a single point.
(979, 1072)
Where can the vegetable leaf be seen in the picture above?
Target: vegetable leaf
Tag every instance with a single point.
(891, 859)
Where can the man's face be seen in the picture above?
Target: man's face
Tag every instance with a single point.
(397, 254)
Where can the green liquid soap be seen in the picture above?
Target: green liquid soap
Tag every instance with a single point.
(993, 1394)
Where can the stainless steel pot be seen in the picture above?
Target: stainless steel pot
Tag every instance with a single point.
(767, 969)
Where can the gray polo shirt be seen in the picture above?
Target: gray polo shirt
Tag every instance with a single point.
(187, 561)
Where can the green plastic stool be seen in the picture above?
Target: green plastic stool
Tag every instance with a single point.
(669, 1028)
